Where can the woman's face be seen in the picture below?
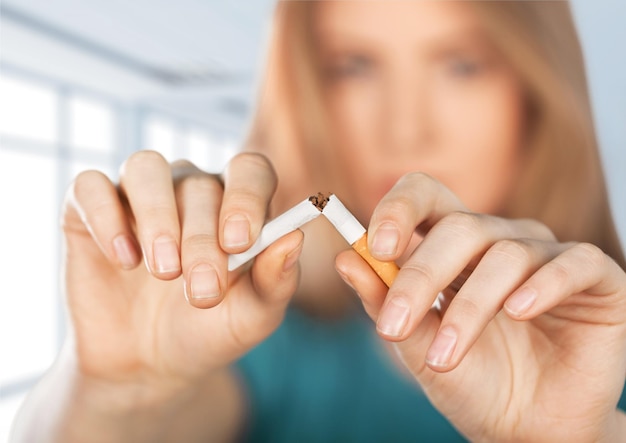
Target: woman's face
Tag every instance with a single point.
(417, 86)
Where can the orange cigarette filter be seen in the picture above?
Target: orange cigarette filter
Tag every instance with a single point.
(354, 233)
(386, 270)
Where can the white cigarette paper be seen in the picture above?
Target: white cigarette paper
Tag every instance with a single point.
(343, 220)
(340, 217)
(285, 223)
(356, 235)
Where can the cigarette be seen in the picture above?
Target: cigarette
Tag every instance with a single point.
(288, 221)
(356, 235)
(341, 218)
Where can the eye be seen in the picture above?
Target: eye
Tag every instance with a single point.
(464, 67)
(351, 66)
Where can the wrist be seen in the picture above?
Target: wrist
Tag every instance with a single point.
(619, 434)
(133, 409)
(155, 410)
(141, 409)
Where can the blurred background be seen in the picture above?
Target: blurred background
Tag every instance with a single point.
(83, 83)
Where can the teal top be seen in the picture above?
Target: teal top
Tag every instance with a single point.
(320, 381)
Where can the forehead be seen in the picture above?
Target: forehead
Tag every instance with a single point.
(392, 20)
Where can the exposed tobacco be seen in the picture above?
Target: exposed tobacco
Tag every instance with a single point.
(320, 200)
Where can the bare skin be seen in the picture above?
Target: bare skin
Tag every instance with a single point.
(530, 348)
(530, 341)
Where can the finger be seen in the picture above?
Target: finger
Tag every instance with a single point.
(259, 298)
(95, 202)
(585, 276)
(363, 280)
(505, 266)
(419, 201)
(416, 200)
(199, 197)
(450, 249)
(249, 183)
(274, 274)
(146, 180)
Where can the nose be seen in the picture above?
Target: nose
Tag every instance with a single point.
(406, 116)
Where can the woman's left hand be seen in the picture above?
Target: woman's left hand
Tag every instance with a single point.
(529, 340)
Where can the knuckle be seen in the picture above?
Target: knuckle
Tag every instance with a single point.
(592, 254)
(420, 271)
(395, 207)
(466, 223)
(105, 211)
(515, 250)
(430, 190)
(418, 178)
(464, 308)
(157, 212)
(87, 183)
(199, 183)
(558, 272)
(246, 200)
(142, 160)
(182, 169)
(251, 160)
(92, 198)
(183, 164)
(250, 170)
(200, 243)
(425, 182)
(538, 229)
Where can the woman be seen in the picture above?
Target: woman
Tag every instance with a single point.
(462, 133)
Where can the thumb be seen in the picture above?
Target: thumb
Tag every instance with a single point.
(275, 273)
(261, 296)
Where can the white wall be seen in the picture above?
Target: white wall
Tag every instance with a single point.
(602, 28)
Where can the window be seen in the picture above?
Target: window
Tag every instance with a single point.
(92, 125)
(161, 136)
(175, 141)
(49, 132)
(47, 135)
(199, 149)
(28, 307)
(28, 110)
(207, 153)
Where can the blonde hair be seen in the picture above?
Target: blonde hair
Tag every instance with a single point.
(562, 185)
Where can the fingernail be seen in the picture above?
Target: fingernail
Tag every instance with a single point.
(125, 251)
(442, 347)
(394, 318)
(203, 283)
(292, 258)
(386, 240)
(165, 251)
(236, 231)
(521, 301)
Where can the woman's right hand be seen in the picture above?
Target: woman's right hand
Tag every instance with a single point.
(181, 315)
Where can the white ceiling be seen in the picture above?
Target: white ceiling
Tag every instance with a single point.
(115, 47)
(192, 57)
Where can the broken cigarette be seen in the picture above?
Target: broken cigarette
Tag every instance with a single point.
(342, 219)
(288, 221)
(356, 235)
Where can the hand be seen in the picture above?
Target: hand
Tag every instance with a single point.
(528, 343)
(132, 322)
